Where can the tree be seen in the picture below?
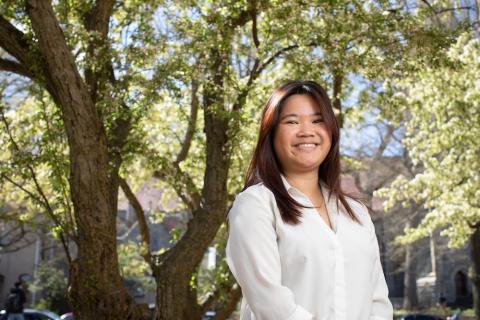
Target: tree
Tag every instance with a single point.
(42, 54)
(100, 70)
(442, 137)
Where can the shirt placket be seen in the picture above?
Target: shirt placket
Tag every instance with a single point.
(339, 295)
(339, 302)
(339, 285)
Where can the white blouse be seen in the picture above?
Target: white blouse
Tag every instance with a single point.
(305, 271)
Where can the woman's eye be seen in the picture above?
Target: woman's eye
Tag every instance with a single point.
(291, 122)
(318, 121)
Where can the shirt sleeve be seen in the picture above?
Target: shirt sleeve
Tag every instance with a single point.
(381, 306)
(253, 258)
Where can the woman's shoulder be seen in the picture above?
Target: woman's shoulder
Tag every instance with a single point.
(256, 199)
(256, 192)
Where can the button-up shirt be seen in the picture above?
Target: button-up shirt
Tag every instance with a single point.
(309, 270)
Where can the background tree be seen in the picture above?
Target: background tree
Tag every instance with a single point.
(443, 137)
(123, 91)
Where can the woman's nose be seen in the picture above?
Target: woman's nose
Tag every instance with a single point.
(305, 129)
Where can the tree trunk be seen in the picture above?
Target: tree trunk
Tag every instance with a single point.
(475, 271)
(336, 96)
(175, 297)
(96, 288)
(410, 281)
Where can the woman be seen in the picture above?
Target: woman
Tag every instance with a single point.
(298, 246)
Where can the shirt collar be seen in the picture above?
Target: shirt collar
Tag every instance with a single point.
(329, 201)
(295, 192)
(287, 185)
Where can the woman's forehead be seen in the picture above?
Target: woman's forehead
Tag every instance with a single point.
(300, 105)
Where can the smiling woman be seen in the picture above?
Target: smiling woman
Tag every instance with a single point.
(302, 139)
(298, 246)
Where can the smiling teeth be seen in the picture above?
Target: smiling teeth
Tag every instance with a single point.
(307, 145)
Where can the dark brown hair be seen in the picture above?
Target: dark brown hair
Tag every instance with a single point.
(265, 167)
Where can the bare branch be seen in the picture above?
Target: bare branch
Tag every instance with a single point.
(191, 124)
(142, 222)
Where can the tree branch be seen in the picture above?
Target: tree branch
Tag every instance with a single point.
(435, 11)
(13, 244)
(142, 222)
(96, 22)
(230, 304)
(97, 18)
(191, 124)
(429, 5)
(453, 9)
(21, 187)
(215, 296)
(42, 199)
(71, 93)
(337, 76)
(276, 55)
(253, 15)
(183, 185)
(13, 41)
(257, 69)
(13, 66)
(239, 20)
(385, 141)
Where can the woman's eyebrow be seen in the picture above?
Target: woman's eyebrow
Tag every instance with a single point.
(316, 114)
(289, 115)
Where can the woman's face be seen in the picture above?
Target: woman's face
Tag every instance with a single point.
(302, 140)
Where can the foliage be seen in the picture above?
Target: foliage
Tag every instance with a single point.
(34, 164)
(134, 270)
(51, 283)
(216, 279)
(442, 105)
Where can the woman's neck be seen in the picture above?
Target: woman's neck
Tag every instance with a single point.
(307, 183)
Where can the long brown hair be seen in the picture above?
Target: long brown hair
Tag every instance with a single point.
(265, 166)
